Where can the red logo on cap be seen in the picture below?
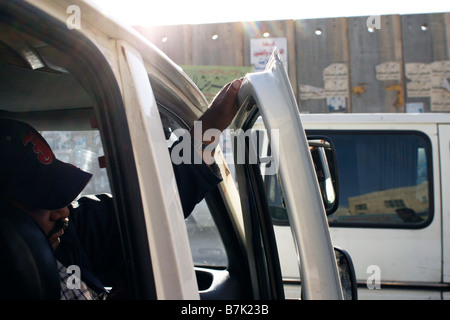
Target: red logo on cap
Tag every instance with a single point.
(44, 154)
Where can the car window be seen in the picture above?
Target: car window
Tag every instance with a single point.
(384, 179)
(204, 238)
(82, 149)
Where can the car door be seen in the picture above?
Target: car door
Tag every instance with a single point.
(269, 94)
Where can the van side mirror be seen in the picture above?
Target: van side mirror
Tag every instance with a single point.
(324, 159)
(346, 274)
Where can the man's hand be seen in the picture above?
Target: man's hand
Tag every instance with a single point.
(222, 109)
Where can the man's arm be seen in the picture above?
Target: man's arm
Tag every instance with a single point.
(195, 180)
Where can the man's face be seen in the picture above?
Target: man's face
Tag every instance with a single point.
(52, 222)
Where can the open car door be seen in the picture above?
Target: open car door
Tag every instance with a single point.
(287, 159)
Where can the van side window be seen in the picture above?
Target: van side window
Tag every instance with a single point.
(384, 179)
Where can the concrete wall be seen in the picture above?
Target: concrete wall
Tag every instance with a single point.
(400, 64)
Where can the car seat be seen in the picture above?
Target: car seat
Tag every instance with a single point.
(27, 264)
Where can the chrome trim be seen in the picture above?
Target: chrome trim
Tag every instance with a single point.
(443, 287)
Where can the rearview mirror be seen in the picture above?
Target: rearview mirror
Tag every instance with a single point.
(347, 274)
(324, 159)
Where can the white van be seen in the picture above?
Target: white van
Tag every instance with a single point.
(99, 90)
(393, 215)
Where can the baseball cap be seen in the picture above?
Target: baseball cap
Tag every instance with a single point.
(30, 172)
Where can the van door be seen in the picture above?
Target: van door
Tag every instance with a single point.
(444, 152)
(269, 94)
(389, 215)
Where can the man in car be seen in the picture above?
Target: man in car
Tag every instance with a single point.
(35, 183)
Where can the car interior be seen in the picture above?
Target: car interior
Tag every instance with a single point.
(36, 88)
(43, 83)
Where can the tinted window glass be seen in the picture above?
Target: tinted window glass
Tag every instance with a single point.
(384, 179)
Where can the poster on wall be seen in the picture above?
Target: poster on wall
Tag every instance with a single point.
(414, 107)
(335, 78)
(261, 50)
(440, 86)
(210, 79)
(335, 89)
(430, 80)
(386, 71)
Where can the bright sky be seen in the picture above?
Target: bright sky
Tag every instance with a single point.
(172, 12)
